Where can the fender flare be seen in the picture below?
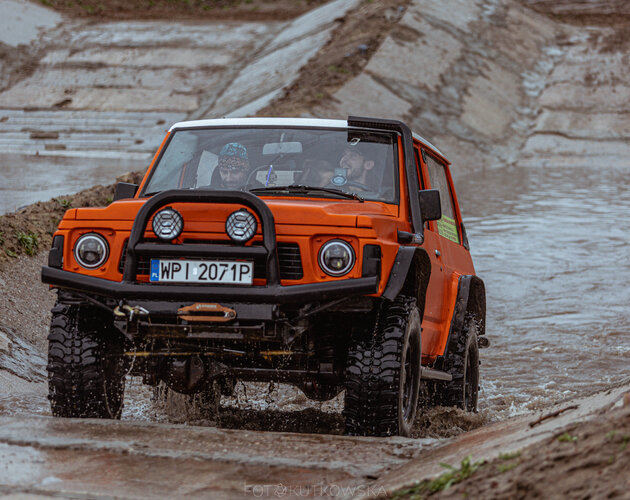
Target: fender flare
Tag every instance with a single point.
(410, 274)
(471, 297)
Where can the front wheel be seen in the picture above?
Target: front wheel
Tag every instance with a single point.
(383, 374)
(85, 364)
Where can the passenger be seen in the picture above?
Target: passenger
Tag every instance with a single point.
(233, 166)
(357, 163)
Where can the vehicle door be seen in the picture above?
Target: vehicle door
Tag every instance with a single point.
(433, 310)
(454, 260)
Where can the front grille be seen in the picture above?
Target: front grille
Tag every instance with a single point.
(289, 257)
(290, 261)
(143, 262)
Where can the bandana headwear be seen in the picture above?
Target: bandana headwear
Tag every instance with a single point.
(233, 163)
(234, 149)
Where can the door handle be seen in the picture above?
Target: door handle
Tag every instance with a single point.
(437, 253)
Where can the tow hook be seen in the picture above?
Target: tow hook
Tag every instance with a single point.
(128, 312)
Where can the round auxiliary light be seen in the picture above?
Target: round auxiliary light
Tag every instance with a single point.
(168, 224)
(241, 226)
(91, 250)
(336, 258)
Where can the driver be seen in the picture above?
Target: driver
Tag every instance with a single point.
(233, 166)
(357, 164)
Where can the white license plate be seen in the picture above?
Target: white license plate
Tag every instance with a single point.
(200, 271)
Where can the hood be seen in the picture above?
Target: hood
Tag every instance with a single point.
(290, 211)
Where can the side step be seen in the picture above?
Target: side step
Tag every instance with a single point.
(431, 374)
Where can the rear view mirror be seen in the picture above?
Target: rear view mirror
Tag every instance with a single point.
(430, 206)
(276, 148)
(125, 190)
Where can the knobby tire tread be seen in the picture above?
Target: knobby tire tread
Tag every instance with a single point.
(373, 374)
(79, 386)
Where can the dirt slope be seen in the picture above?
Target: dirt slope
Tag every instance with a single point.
(584, 12)
(583, 460)
(239, 10)
(29, 230)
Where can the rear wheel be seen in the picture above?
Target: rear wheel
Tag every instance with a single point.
(85, 364)
(383, 374)
(462, 362)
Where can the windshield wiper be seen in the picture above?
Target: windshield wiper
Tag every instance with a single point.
(298, 188)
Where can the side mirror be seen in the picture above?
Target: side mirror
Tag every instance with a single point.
(430, 206)
(125, 190)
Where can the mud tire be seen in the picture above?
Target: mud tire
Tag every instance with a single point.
(383, 374)
(85, 364)
(462, 362)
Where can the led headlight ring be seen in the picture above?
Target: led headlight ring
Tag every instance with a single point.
(91, 250)
(336, 257)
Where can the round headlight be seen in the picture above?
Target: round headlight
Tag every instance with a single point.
(336, 258)
(91, 250)
(168, 224)
(241, 226)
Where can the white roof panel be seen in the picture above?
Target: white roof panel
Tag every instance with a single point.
(258, 122)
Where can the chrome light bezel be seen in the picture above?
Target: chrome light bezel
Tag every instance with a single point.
(241, 226)
(91, 237)
(336, 272)
(160, 220)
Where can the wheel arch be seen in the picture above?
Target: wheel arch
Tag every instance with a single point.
(410, 276)
(471, 299)
(476, 303)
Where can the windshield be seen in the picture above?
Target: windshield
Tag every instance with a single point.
(261, 159)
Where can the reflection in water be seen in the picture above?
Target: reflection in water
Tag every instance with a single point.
(551, 246)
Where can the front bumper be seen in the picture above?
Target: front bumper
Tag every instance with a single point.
(270, 294)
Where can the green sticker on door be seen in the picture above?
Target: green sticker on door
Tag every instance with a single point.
(448, 228)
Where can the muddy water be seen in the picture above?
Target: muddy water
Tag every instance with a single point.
(552, 248)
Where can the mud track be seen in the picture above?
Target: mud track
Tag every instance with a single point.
(94, 458)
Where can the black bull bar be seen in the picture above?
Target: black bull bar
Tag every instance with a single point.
(273, 291)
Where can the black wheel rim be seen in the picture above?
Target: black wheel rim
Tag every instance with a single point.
(469, 384)
(411, 362)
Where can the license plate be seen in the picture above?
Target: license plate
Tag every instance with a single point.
(199, 271)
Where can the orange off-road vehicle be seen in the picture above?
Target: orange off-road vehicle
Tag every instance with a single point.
(329, 254)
